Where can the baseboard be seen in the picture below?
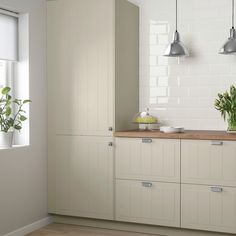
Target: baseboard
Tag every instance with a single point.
(31, 227)
(131, 227)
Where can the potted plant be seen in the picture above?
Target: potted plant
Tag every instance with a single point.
(11, 117)
(226, 104)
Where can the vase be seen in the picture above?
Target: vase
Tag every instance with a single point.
(231, 125)
(6, 139)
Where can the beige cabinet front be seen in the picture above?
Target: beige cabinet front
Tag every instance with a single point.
(80, 66)
(148, 202)
(81, 177)
(208, 162)
(148, 159)
(210, 208)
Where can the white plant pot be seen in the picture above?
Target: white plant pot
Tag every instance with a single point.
(6, 139)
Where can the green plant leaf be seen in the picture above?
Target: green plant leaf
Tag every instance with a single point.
(6, 90)
(16, 102)
(23, 118)
(8, 111)
(26, 101)
(17, 127)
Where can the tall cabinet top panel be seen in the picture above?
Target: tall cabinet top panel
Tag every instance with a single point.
(80, 66)
(92, 66)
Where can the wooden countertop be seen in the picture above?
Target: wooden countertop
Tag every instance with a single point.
(188, 134)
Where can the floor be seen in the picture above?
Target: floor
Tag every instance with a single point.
(71, 230)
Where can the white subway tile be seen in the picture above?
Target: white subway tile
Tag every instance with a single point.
(178, 92)
(199, 91)
(158, 92)
(158, 29)
(163, 81)
(181, 91)
(153, 60)
(158, 70)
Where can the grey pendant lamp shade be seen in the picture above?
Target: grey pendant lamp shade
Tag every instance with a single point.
(229, 46)
(176, 48)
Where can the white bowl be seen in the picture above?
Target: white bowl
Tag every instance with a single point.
(169, 129)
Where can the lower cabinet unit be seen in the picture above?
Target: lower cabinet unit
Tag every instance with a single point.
(208, 162)
(152, 159)
(81, 176)
(148, 202)
(145, 187)
(210, 208)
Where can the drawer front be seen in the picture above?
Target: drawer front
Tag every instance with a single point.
(148, 202)
(208, 162)
(148, 159)
(208, 208)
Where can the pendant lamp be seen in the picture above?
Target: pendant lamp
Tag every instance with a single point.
(229, 46)
(176, 48)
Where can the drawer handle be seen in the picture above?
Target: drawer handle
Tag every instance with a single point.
(219, 143)
(147, 184)
(147, 140)
(217, 189)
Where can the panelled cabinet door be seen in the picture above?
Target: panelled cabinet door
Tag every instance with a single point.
(83, 177)
(208, 162)
(148, 202)
(148, 159)
(210, 208)
(80, 66)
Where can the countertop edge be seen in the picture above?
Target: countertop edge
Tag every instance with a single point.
(188, 134)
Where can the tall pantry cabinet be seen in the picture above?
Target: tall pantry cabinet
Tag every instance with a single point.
(93, 52)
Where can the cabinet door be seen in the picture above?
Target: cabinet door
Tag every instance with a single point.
(80, 66)
(208, 162)
(208, 208)
(81, 177)
(148, 159)
(148, 202)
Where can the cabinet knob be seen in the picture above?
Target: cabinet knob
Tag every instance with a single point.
(147, 140)
(147, 184)
(110, 144)
(216, 189)
(110, 129)
(214, 142)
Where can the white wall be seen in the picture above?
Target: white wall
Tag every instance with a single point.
(23, 171)
(182, 91)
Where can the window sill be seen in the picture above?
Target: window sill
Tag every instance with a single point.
(14, 147)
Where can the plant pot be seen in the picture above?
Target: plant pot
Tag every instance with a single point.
(6, 139)
(231, 125)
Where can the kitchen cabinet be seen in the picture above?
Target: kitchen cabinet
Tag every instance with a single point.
(211, 208)
(93, 66)
(93, 74)
(81, 180)
(148, 181)
(208, 162)
(148, 202)
(149, 189)
(208, 190)
(148, 159)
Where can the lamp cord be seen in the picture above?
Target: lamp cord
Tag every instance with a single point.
(176, 15)
(232, 13)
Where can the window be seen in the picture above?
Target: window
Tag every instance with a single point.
(8, 46)
(6, 73)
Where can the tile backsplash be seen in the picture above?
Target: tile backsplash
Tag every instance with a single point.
(181, 91)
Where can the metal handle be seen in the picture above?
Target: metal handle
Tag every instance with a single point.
(147, 140)
(147, 184)
(110, 144)
(219, 143)
(216, 189)
(110, 129)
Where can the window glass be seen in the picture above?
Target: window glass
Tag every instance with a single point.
(6, 73)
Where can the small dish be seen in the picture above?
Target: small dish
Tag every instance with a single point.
(169, 129)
